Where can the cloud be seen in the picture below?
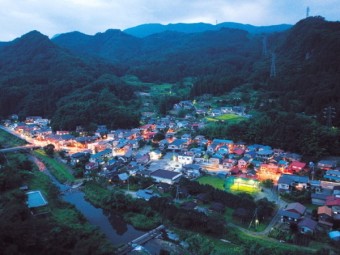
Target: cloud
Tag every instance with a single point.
(92, 16)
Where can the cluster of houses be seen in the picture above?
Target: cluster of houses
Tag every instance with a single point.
(326, 216)
(108, 152)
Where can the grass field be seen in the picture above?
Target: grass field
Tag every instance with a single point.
(228, 118)
(212, 181)
(8, 140)
(234, 184)
(153, 88)
(59, 170)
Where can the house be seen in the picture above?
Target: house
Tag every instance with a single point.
(336, 190)
(283, 165)
(229, 163)
(320, 197)
(197, 152)
(186, 137)
(146, 194)
(165, 176)
(332, 175)
(143, 159)
(292, 156)
(185, 159)
(217, 143)
(163, 144)
(100, 156)
(244, 162)
(77, 157)
(334, 203)
(297, 166)
(223, 150)
(334, 235)
(326, 164)
(215, 112)
(155, 155)
(286, 182)
(296, 208)
(177, 144)
(91, 166)
(123, 177)
(238, 152)
(264, 154)
(325, 216)
(307, 226)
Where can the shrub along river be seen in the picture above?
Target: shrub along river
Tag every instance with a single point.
(112, 225)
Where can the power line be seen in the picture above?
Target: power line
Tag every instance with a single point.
(273, 66)
(264, 46)
(329, 115)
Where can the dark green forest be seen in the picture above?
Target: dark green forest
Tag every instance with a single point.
(76, 79)
(57, 229)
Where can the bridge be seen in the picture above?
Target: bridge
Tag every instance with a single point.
(140, 240)
(20, 148)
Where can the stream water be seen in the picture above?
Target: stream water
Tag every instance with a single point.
(113, 226)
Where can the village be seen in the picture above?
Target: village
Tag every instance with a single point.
(166, 149)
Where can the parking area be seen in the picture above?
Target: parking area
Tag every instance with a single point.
(164, 163)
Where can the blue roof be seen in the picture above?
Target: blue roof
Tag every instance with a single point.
(145, 194)
(332, 177)
(334, 235)
(35, 199)
(222, 141)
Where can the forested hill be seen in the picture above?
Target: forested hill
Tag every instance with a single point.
(155, 28)
(112, 45)
(308, 68)
(74, 78)
(40, 78)
(170, 56)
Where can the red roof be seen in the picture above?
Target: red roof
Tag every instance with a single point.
(296, 165)
(238, 151)
(332, 201)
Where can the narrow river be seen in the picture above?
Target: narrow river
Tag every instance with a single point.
(113, 226)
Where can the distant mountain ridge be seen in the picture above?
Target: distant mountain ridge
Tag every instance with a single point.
(154, 28)
(73, 69)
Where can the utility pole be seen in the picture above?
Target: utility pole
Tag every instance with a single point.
(177, 193)
(273, 66)
(311, 166)
(329, 114)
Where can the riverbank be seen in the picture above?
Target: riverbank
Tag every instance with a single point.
(56, 228)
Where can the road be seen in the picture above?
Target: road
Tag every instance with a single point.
(19, 148)
(12, 132)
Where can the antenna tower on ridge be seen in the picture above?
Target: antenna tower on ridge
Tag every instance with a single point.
(273, 66)
(307, 12)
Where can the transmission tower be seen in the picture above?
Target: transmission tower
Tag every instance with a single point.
(307, 12)
(329, 114)
(264, 46)
(273, 66)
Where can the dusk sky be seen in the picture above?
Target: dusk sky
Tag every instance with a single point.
(51, 17)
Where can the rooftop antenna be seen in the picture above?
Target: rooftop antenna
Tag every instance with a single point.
(307, 12)
(273, 67)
